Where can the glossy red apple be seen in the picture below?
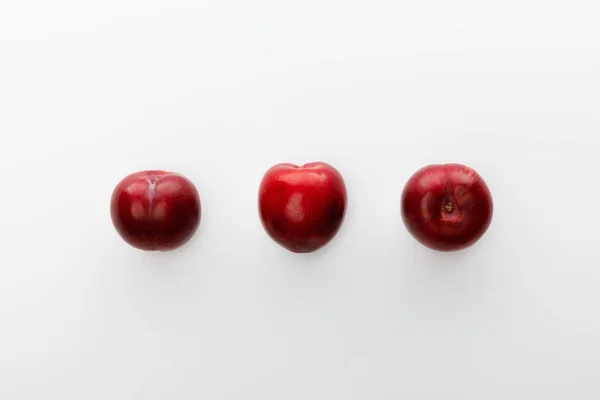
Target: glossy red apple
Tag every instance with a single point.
(155, 210)
(446, 207)
(302, 207)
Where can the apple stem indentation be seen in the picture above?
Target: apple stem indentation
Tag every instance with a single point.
(448, 207)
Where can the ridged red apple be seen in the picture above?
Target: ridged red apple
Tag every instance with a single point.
(446, 207)
(155, 210)
(302, 207)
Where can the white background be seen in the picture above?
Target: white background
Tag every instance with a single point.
(222, 90)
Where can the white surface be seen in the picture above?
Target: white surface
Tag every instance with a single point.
(222, 90)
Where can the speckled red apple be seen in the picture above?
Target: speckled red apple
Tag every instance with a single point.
(446, 207)
(155, 210)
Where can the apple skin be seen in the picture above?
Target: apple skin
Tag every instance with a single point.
(446, 207)
(155, 210)
(302, 207)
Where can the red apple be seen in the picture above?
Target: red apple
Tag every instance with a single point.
(155, 210)
(446, 207)
(302, 207)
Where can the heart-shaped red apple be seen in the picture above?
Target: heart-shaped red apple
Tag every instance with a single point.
(302, 207)
(155, 210)
(446, 207)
